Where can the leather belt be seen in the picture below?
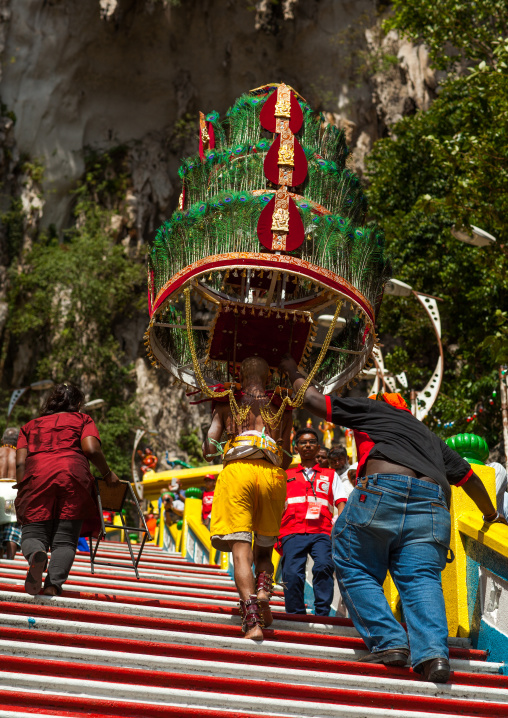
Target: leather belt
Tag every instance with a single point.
(380, 466)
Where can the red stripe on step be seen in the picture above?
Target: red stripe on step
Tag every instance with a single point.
(171, 624)
(463, 653)
(104, 708)
(157, 624)
(246, 687)
(167, 624)
(139, 589)
(129, 645)
(134, 580)
(101, 553)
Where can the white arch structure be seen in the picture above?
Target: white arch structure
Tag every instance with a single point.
(424, 399)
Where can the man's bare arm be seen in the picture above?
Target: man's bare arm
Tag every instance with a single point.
(215, 433)
(475, 489)
(314, 401)
(20, 463)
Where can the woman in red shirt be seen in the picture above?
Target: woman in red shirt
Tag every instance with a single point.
(55, 486)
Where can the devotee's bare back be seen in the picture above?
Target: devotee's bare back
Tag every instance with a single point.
(254, 420)
(7, 463)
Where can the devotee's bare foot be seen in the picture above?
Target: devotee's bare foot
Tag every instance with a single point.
(252, 621)
(264, 585)
(50, 591)
(33, 581)
(255, 633)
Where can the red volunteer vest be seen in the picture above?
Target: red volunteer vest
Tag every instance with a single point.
(207, 504)
(299, 493)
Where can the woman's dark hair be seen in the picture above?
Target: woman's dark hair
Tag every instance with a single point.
(64, 397)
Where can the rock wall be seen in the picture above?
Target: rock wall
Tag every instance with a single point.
(96, 74)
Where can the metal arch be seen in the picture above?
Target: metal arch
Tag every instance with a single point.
(135, 474)
(381, 376)
(426, 398)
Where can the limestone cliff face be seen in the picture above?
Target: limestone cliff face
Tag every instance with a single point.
(96, 74)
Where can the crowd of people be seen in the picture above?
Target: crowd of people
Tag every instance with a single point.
(392, 514)
(389, 512)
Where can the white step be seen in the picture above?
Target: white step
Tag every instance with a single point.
(163, 572)
(119, 693)
(185, 615)
(171, 613)
(279, 674)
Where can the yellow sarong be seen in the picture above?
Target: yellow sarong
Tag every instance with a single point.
(249, 497)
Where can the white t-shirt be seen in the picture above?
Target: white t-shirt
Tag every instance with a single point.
(337, 484)
(501, 485)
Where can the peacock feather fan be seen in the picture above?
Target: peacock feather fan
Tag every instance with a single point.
(212, 245)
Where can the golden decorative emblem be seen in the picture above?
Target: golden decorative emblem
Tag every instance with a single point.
(180, 201)
(279, 242)
(286, 155)
(283, 106)
(280, 220)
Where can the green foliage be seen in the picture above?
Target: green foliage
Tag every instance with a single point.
(106, 177)
(116, 430)
(14, 223)
(184, 129)
(191, 444)
(498, 342)
(453, 30)
(34, 169)
(443, 167)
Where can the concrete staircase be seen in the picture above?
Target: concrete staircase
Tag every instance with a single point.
(171, 644)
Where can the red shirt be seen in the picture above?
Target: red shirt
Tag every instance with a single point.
(57, 482)
(299, 493)
(207, 504)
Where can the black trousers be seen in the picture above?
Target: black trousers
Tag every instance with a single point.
(59, 536)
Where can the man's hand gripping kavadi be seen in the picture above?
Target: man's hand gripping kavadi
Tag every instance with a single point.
(268, 238)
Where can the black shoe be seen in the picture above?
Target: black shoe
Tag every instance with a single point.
(435, 670)
(390, 657)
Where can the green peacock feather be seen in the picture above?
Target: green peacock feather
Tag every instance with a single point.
(225, 193)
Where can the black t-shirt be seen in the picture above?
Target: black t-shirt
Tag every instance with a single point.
(399, 437)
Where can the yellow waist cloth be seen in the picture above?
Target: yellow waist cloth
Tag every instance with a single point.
(252, 446)
(249, 496)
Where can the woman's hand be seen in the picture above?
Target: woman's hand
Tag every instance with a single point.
(112, 479)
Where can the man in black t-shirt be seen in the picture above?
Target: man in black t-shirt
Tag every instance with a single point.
(396, 519)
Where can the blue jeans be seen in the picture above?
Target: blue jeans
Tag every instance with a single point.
(296, 548)
(402, 525)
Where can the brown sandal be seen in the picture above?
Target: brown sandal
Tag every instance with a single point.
(252, 620)
(33, 581)
(264, 584)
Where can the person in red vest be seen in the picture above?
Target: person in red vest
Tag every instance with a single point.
(312, 493)
(208, 493)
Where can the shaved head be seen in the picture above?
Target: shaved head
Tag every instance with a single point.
(254, 368)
